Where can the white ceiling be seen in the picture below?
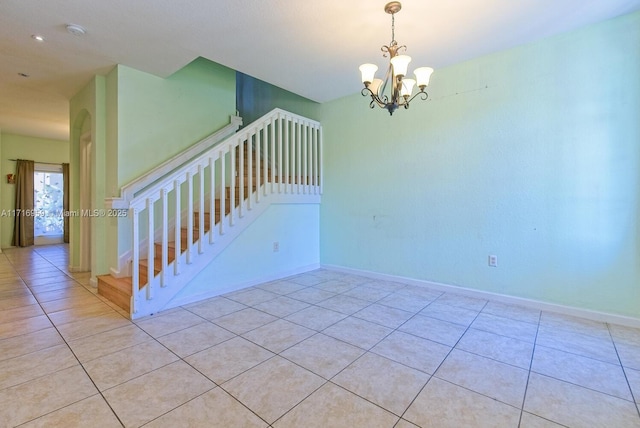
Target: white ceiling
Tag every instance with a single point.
(312, 48)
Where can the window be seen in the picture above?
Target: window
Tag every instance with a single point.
(48, 204)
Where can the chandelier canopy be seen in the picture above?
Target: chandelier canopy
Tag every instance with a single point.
(395, 91)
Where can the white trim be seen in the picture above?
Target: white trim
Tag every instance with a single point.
(239, 286)
(497, 297)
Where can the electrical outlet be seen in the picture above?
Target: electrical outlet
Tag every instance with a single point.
(276, 246)
(493, 261)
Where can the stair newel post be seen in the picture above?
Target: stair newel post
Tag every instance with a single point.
(320, 160)
(250, 176)
(298, 157)
(177, 228)
(232, 187)
(189, 216)
(286, 177)
(274, 121)
(201, 209)
(280, 152)
(251, 140)
(223, 190)
(305, 154)
(244, 142)
(165, 236)
(212, 199)
(150, 248)
(135, 267)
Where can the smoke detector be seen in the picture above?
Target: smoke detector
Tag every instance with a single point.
(76, 30)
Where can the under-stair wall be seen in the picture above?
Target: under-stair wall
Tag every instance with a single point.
(182, 219)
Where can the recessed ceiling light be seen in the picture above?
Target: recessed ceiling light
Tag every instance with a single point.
(23, 75)
(37, 37)
(76, 30)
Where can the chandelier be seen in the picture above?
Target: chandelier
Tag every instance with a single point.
(395, 91)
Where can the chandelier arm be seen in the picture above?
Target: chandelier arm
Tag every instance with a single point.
(423, 96)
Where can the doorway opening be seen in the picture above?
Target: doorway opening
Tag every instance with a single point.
(48, 196)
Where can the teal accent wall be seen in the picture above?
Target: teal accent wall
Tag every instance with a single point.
(255, 98)
(530, 154)
(22, 147)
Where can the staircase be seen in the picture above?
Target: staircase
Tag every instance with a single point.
(182, 217)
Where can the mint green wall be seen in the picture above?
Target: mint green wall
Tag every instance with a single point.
(255, 98)
(250, 257)
(158, 118)
(23, 147)
(531, 154)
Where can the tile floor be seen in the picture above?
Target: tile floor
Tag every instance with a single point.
(322, 349)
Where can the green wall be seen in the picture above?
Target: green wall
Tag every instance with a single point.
(22, 147)
(159, 118)
(531, 154)
(256, 98)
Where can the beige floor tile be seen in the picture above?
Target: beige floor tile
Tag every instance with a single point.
(169, 322)
(149, 396)
(64, 293)
(16, 302)
(442, 404)
(228, 359)
(273, 387)
(501, 348)
(344, 304)
(462, 301)
(215, 308)
(245, 320)
(119, 367)
(15, 292)
(308, 279)
(336, 286)
(629, 355)
(412, 351)
(532, 421)
(24, 326)
(54, 286)
(573, 405)
(80, 313)
(30, 400)
(355, 331)
(506, 327)
(281, 287)
(90, 326)
(405, 302)
(576, 343)
(405, 424)
(574, 324)
(417, 291)
(316, 318)
(384, 315)
(583, 371)
(332, 406)
(36, 364)
(311, 295)
(252, 296)
(194, 339)
(626, 335)
(485, 376)
(28, 343)
(105, 343)
(390, 385)
(327, 274)
(633, 376)
(213, 409)
(323, 355)
(16, 314)
(518, 313)
(91, 412)
(454, 314)
(278, 335)
(389, 286)
(281, 306)
(68, 303)
(439, 331)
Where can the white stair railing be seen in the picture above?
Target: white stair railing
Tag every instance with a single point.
(200, 206)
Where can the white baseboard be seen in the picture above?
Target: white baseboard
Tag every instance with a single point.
(502, 298)
(239, 286)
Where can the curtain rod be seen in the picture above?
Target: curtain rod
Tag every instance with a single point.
(46, 163)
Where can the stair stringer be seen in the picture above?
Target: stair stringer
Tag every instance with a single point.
(162, 295)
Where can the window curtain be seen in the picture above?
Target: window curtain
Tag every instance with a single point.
(23, 226)
(65, 200)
